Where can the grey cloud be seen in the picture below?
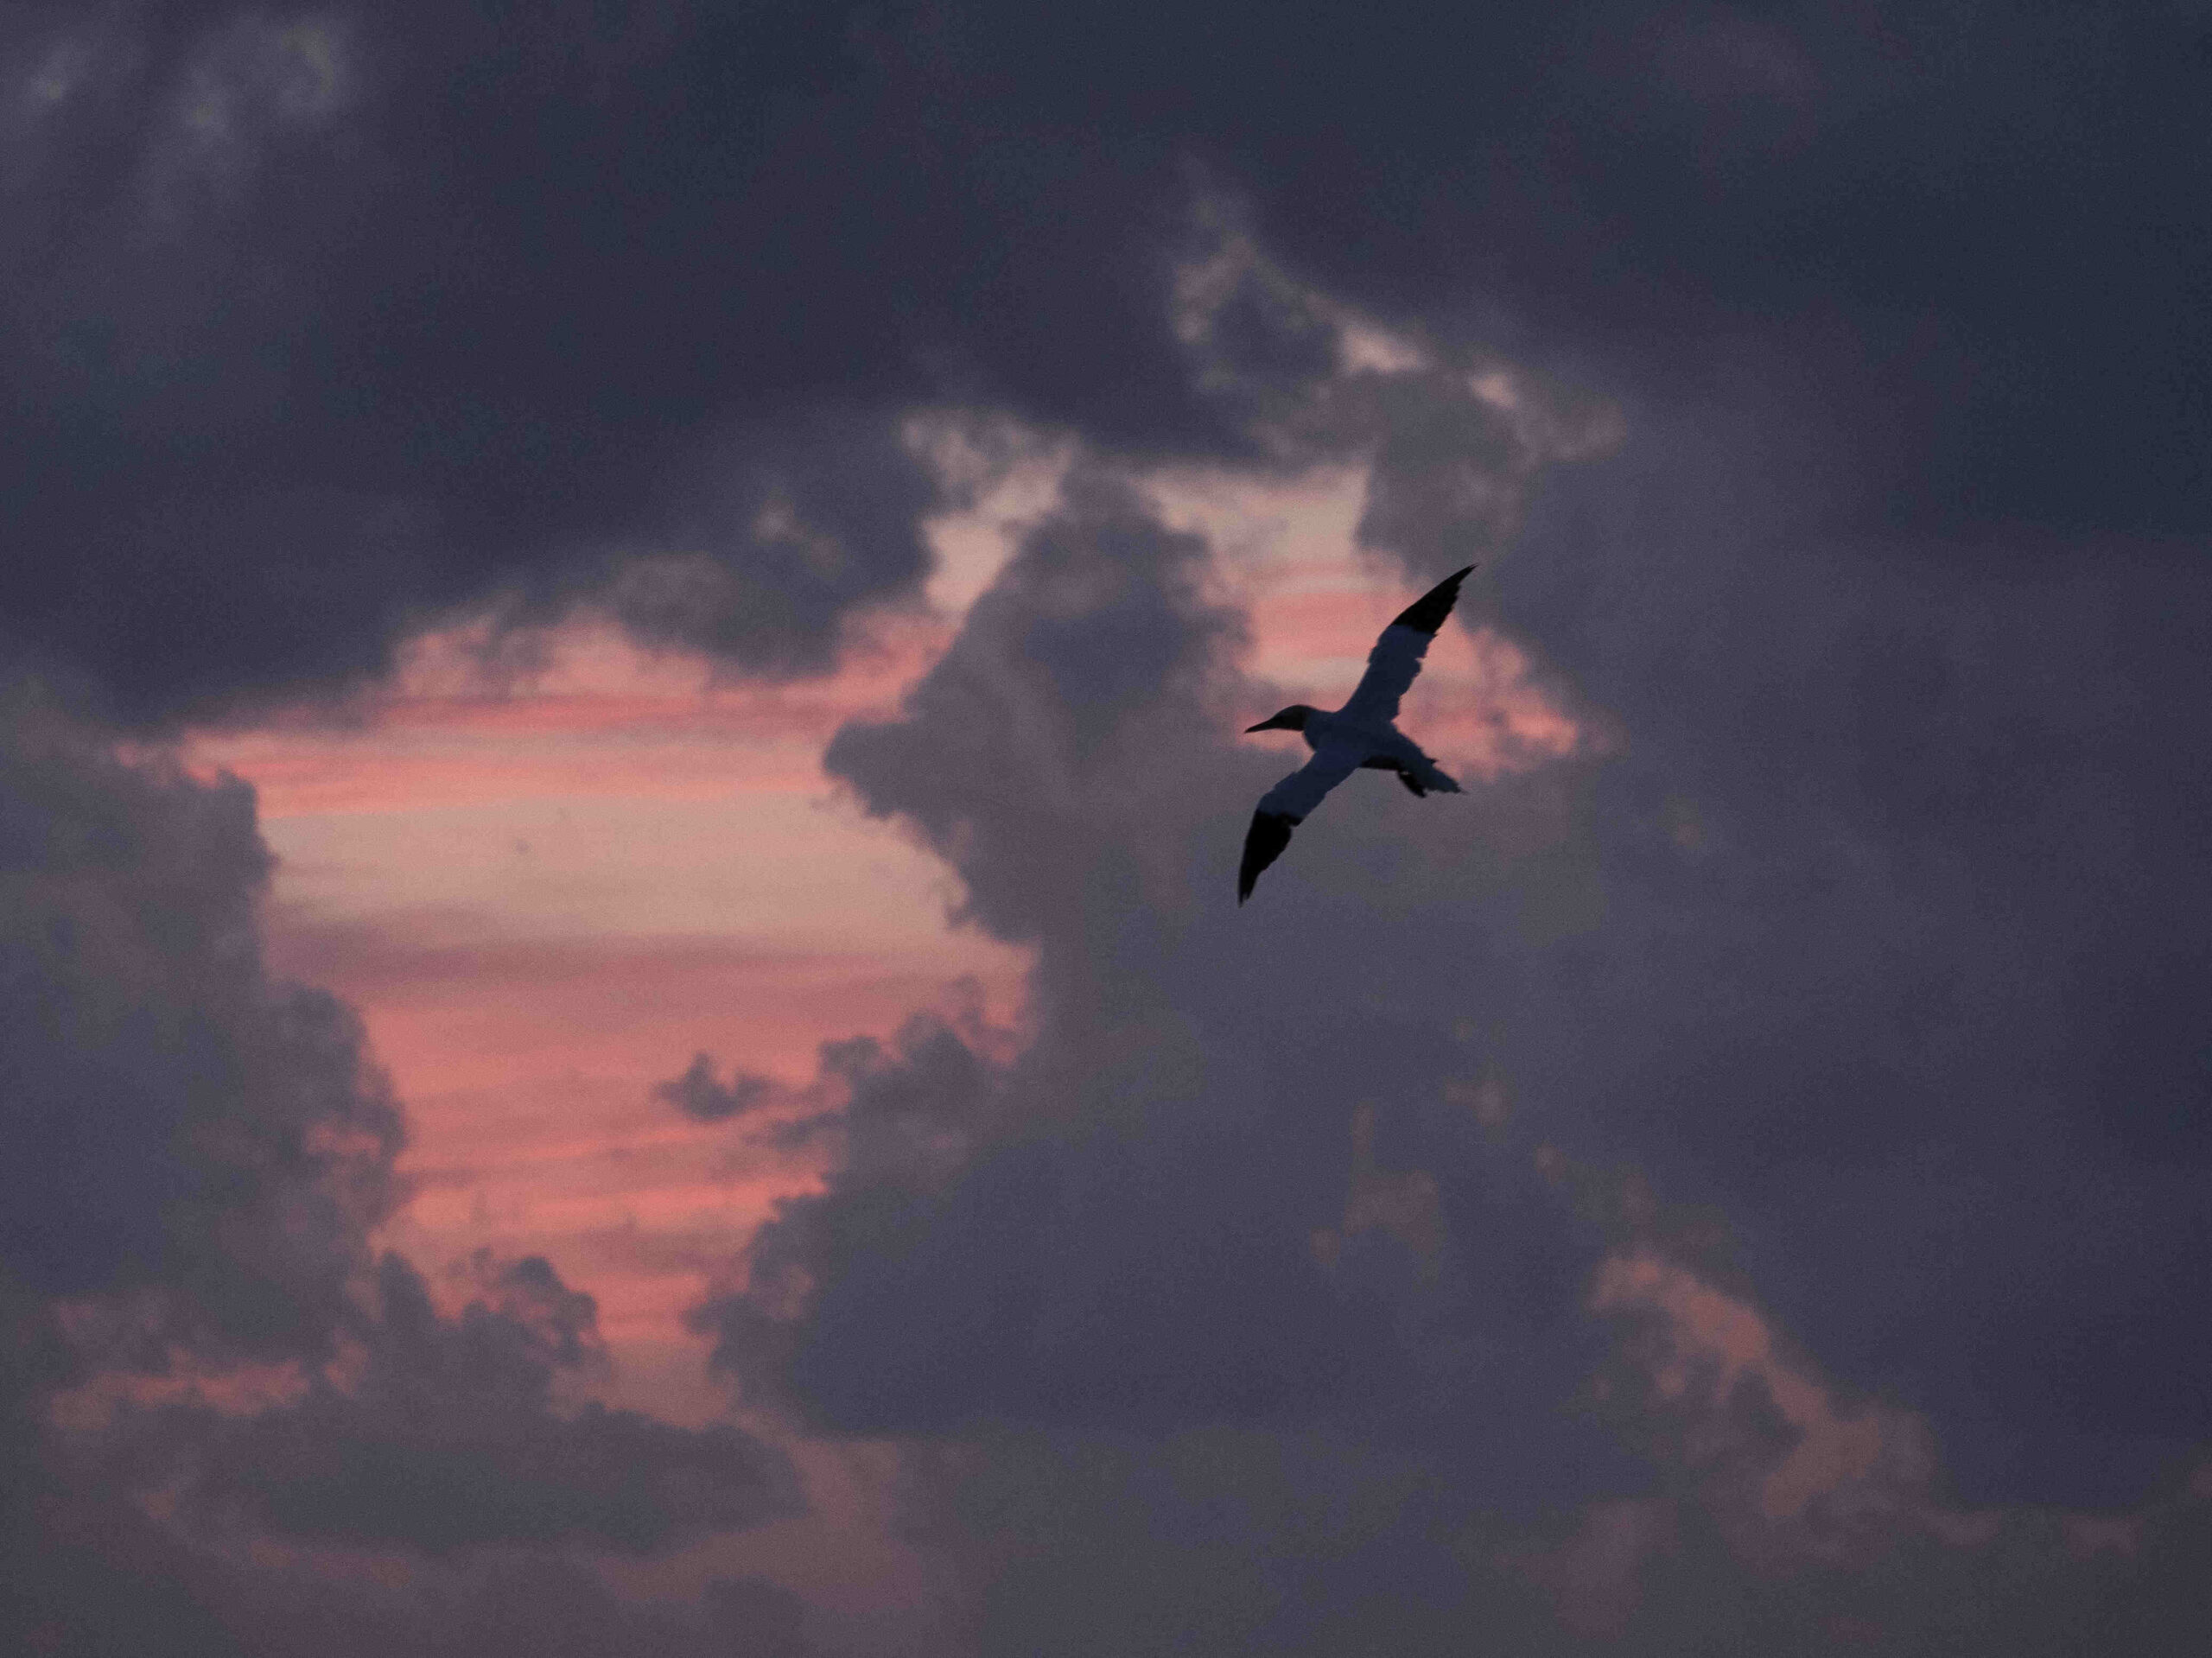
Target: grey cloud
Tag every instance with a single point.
(366, 390)
(319, 327)
(698, 1095)
(1795, 947)
(431, 1500)
(1058, 713)
(450, 1438)
(189, 1136)
(1187, 1097)
(123, 1585)
(195, 1150)
(1782, 1517)
(1316, 1544)
(1924, 944)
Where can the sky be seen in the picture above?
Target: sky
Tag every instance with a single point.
(626, 635)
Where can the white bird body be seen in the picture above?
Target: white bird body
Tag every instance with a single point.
(1383, 744)
(1363, 734)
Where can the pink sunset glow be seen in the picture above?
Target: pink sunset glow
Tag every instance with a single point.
(545, 896)
(543, 899)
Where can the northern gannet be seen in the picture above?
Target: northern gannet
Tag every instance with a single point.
(1363, 732)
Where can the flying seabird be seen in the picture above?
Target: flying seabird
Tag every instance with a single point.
(1363, 732)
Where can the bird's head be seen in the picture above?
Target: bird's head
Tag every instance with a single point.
(1291, 719)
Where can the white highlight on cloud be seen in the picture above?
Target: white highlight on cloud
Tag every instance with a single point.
(1002, 478)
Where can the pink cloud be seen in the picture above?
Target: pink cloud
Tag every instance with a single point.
(1832, 1476)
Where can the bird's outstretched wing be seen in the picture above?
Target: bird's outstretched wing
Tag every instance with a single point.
(1284, 807)
(1396, 657)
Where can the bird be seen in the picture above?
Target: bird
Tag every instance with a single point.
(1363, 734)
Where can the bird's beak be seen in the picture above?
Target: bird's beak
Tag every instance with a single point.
(1264, 725)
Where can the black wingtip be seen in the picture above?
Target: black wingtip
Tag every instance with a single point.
(1263, 844)
(1426, 613)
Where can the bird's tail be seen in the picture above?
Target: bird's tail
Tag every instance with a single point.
(1422, 779)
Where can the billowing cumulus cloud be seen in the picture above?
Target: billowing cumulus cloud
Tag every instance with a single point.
(307, 350)
(1187, 1097)
(1734, 1179)
(447, 1436)
(198, 1147)
(320, 323)
(1754, 947)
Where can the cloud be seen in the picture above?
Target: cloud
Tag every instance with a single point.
(630, 306)
(445, 367)
(1776, 1450)
(126, 1586)
(200, 1148)
(205, 1353)
(447, 1436)
(1878, 929)
(1851, 987)
(1023, 1244)
(1746, 950)
(698, 1095)
(1312, 1545)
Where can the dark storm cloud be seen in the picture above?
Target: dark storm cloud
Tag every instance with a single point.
(698, 1094)
(449, 1438)
(1315, 1545)
(1902, 869)
(1956, 249)
(194, 1151)
(185, 1133)
(315, 326)
(1803, 950)
(499, 1605)
(1826, 941)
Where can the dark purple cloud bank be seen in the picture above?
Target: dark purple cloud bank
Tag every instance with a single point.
(1796, 962)
(201, 1144)
(447, 1438)
(314, 326)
